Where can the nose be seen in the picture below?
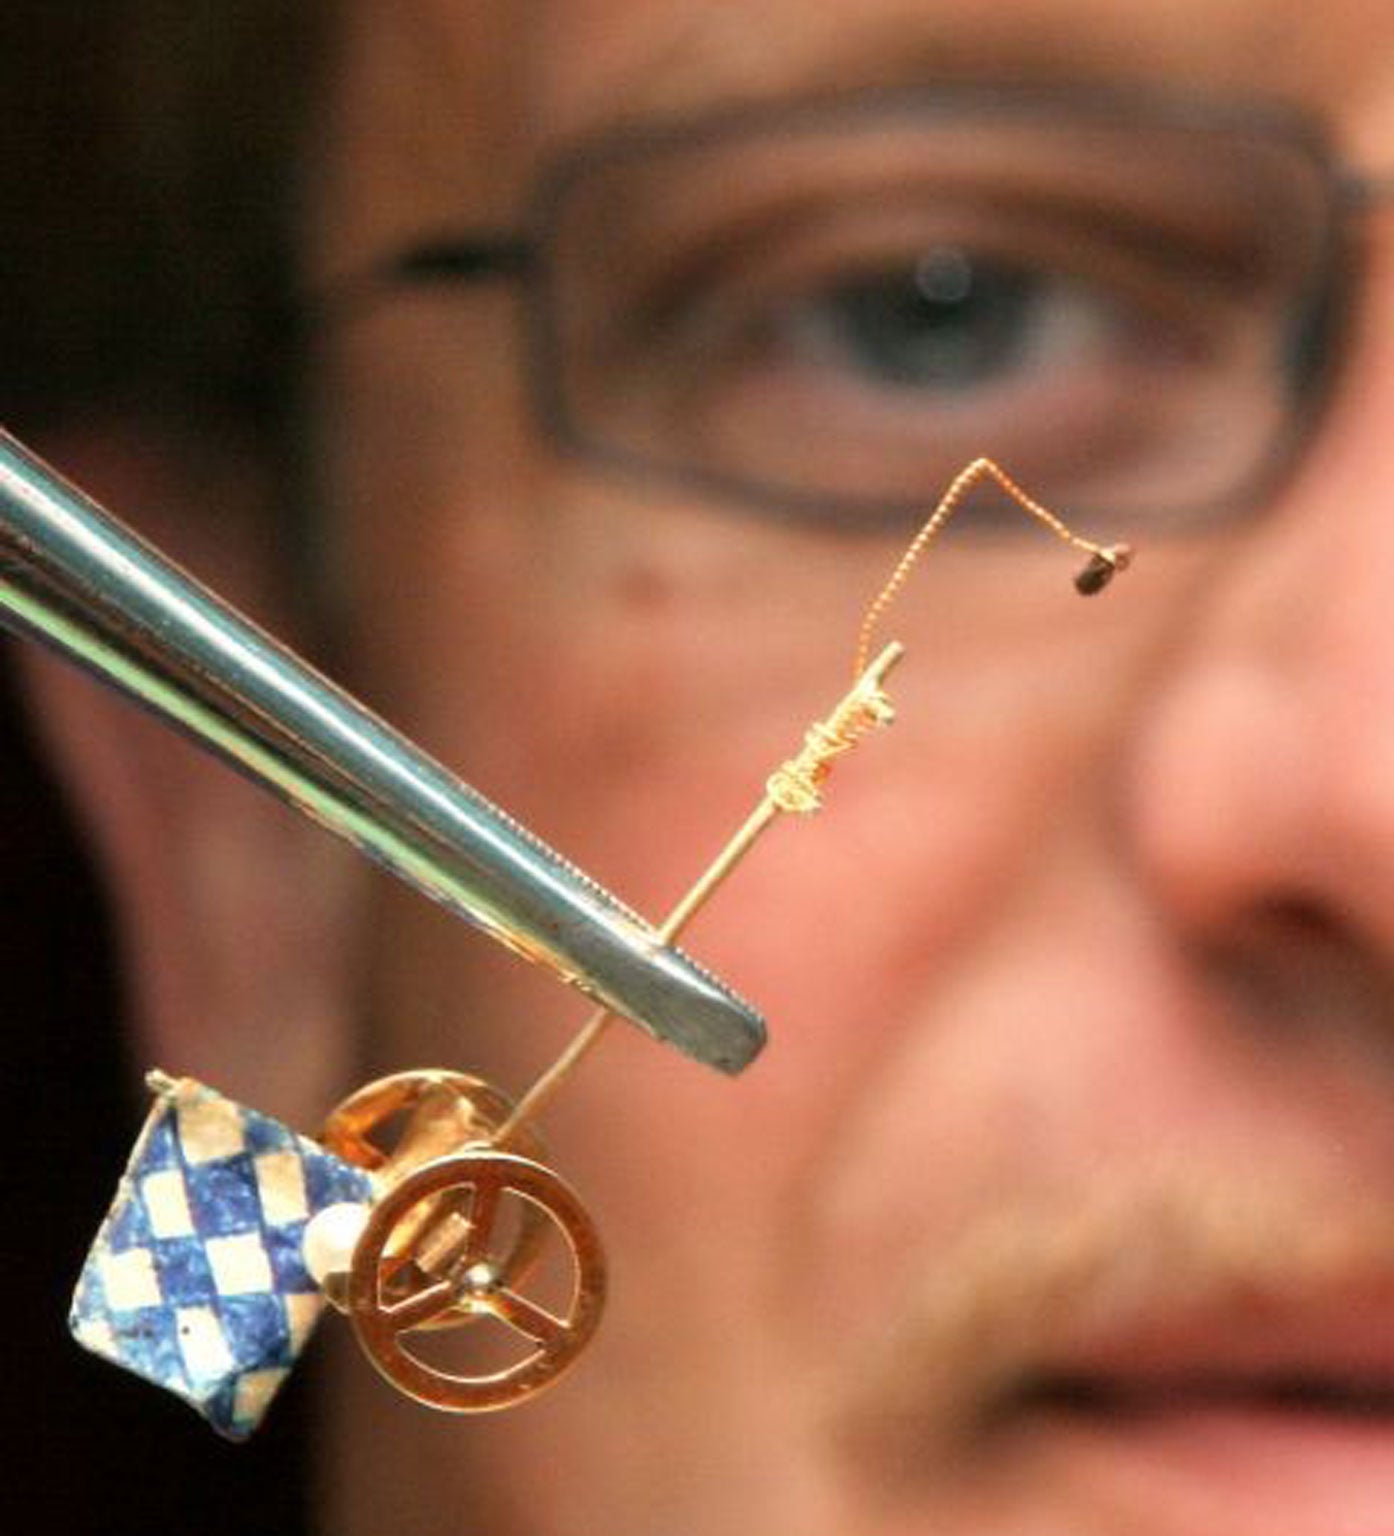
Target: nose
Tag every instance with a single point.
(1263, 788)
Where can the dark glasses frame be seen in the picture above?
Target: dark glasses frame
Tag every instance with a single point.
(526, 255)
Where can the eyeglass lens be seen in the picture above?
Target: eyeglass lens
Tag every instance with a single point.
(838, 313)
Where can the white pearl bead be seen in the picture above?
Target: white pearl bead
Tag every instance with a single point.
(330, 1237)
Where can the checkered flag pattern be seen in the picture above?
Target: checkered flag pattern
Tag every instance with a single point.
(196, 1280)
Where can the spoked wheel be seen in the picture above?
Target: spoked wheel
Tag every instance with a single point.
(459, 1274)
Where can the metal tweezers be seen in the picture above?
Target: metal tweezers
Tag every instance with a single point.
(75, 579)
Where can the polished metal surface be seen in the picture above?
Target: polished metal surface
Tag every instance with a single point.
(75, 579)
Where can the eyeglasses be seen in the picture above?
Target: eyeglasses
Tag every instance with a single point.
(824, 309)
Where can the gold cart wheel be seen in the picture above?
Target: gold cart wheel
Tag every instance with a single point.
(472, 1280)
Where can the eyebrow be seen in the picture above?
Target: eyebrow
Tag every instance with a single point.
(676, 76)
(712, 63)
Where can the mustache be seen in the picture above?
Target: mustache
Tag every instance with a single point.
(1032, 1287)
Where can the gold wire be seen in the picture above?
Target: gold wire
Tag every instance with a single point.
(962, 483)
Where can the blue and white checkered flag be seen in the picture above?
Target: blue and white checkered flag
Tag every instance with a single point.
(196, 1280)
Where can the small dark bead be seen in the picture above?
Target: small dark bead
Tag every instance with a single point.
(1095, 576)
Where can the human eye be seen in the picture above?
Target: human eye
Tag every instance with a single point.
(942, 321)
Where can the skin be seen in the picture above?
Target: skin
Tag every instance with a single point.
(1080, 987)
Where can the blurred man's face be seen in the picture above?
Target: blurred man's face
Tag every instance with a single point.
(1060, 1201)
